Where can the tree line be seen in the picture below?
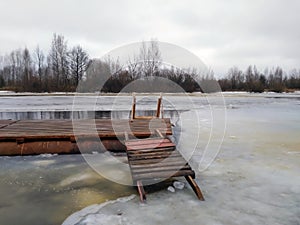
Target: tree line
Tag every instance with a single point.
(146, 67)
(253, 80)
(63, 68)
(59, 70)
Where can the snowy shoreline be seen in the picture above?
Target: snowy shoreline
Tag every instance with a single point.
(235, 93)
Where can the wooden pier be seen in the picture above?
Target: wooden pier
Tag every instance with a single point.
(156, 159)
(28, 137)
(151, 155)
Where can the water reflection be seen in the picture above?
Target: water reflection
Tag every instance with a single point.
(46, 115)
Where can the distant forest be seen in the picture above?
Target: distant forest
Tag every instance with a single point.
(64, 67)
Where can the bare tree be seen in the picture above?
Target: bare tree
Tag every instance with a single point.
(133, 68)
(40, 61)
(78, 63)
(26, 69)
(150, 58)
(59, 60)
(12, 75)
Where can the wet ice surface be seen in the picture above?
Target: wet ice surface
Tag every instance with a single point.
(46, 189)
(253, 180)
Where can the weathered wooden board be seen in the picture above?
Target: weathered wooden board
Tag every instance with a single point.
(26, 137)
(157, 159)
(106, 128)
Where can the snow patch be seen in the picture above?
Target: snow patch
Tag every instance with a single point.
(46, 155)
(178, 185)
(171, 189)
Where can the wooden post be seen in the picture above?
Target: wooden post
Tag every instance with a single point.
(133, 107)
(158, 106)
(195, 187)
(141, 190)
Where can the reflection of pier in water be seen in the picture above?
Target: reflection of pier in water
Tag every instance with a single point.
(101, 114)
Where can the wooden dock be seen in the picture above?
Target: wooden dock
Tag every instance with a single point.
(152, 157)
(28, 137)
(156, 159)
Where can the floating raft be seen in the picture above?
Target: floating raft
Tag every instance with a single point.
(28, 137)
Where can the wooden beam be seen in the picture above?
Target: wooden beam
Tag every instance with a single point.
(151, 146)
(157, 161)
(163, 174)
(158, 106)
(141, 190)
(133, 107)
(143, 117)
(195, 187)
(160, 168)
(146, 141)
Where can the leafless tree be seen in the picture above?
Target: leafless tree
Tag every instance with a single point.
(78, 63)
(133, 68)
(59, 60)
(39, 61)
(149, 58)
(12, 75)
(27, 70)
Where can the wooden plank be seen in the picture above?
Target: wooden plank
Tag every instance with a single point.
(143, 117)
(141, 151)
(195, 187)
(155, 156)
(160, 169)
(141, 190)
(54, 135)
(6, 123)
(151, 146)
(146, 141)
(154, 153)
(36, 129)
(163, 174)
(156, 161)
(159, 164)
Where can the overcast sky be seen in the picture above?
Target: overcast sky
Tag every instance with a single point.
(222, 33)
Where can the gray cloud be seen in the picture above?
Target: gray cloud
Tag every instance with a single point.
(222, 33)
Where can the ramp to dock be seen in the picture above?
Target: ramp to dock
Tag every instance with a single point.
(156, 159)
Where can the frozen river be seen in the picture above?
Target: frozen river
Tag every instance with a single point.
(254, 179)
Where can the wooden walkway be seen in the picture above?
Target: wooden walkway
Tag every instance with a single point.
(156, 159)
(152, 160)
(32, 129)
